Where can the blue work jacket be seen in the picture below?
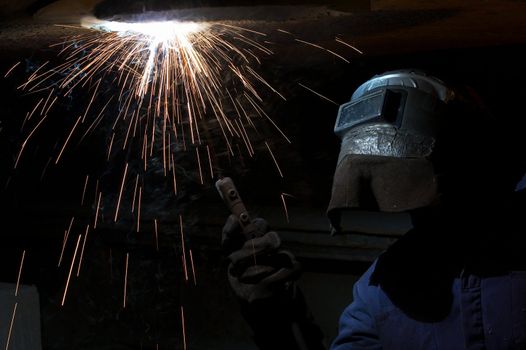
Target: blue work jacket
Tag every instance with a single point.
(486, 313)
(413, 298)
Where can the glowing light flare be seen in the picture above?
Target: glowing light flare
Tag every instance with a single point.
(170, 43)
(158, 31)
(172, 73)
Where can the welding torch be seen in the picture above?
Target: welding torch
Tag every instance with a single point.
(228, 192)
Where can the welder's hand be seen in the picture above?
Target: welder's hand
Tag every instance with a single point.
(258, 268)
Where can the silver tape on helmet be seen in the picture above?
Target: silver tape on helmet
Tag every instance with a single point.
(385, 140)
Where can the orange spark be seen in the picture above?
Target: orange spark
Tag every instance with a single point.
(50, 105)
(199, 165)
(82, 250)
(173, 176)
(70, 270)
(96, 192)
(135, 192)
(11, 69)
(139, 210)
(184, 327)
(97, 210)
(27, 139)
(125, 281)
(64, 241)
(20, 272)
(183, 247)
(284, 31)
(210, 162)
(110, 146)
(156, 234)
(274, 158)
(67, 140)
(169, 70)
(91, 101)
(318, 94)
(35, 108)
(11, 327)
(285, 206)
(349, 45)
(324, 49)
(84, 190)
(120, 192)
(193, 267)
(45, 103)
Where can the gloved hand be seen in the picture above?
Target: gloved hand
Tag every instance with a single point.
(262, 275)
(259, 268)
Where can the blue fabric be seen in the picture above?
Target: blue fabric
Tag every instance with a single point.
(484, 313)
(522, 184)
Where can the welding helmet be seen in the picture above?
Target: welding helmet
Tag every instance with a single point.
(388, 133)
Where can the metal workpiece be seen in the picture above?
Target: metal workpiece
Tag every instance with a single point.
(213, 10)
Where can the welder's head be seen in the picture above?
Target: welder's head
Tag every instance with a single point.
(407, 141)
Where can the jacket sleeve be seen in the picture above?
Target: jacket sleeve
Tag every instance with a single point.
(283, 322)
(357, 330)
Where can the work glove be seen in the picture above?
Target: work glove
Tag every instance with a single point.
(259, 268)
(262, 276)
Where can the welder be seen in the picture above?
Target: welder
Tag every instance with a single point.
(457, 279)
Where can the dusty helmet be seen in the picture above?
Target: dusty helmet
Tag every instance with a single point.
(388, 132)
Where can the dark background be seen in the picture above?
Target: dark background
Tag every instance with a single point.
(480, 45)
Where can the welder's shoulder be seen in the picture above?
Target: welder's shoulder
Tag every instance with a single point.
(369, 293)
(368, 299)
(357, 328)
